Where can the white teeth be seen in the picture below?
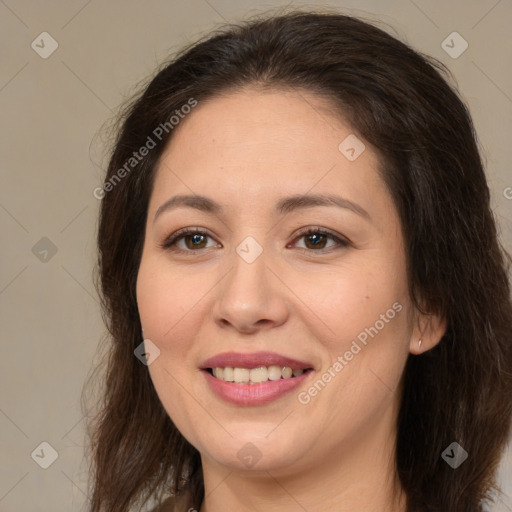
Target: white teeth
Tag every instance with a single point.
(255, 375)
(228, 374)
(241, 375)
(286, 372)
(259, 374)
(274, 372)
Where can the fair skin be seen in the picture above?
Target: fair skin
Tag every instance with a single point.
(246, 151)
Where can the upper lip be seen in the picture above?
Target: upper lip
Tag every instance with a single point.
(252, 360)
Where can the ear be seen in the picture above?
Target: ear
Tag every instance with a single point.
(429, 329)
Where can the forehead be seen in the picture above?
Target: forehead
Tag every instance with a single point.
(264, 143)
(281, 119)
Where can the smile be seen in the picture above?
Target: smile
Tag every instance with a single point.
(255, 375)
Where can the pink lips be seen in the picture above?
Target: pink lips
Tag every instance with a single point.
(253, 394)
(241, 360)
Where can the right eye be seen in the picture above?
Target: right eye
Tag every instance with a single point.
(194, 239)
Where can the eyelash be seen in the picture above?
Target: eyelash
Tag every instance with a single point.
(182, 233)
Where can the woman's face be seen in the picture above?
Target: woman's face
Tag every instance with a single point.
(253, 283)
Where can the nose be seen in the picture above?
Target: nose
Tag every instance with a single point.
(251, 297)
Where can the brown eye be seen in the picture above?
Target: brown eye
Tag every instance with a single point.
(316, 239)
(193, 239)
(196, 240)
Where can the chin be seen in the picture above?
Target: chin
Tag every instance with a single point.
(253, 449)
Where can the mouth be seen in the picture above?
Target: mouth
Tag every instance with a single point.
(256, 367)
(254, 379)
(258, 375)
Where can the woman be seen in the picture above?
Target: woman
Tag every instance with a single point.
(296, 221)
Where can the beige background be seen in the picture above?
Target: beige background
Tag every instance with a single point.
(52, 158)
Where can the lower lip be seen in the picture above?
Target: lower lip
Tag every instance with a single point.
(253, 394)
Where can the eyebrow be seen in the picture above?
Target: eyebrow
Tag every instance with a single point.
(283, 206)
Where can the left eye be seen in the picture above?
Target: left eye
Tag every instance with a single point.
(315, 240)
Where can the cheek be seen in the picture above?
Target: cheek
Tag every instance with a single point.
(345, 301)
(170, 310)
(166, 300)
(364, 312)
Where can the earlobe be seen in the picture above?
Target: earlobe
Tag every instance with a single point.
(427, 334)
(416, 346)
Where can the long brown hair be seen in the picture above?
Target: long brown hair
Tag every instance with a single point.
(401, 102)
